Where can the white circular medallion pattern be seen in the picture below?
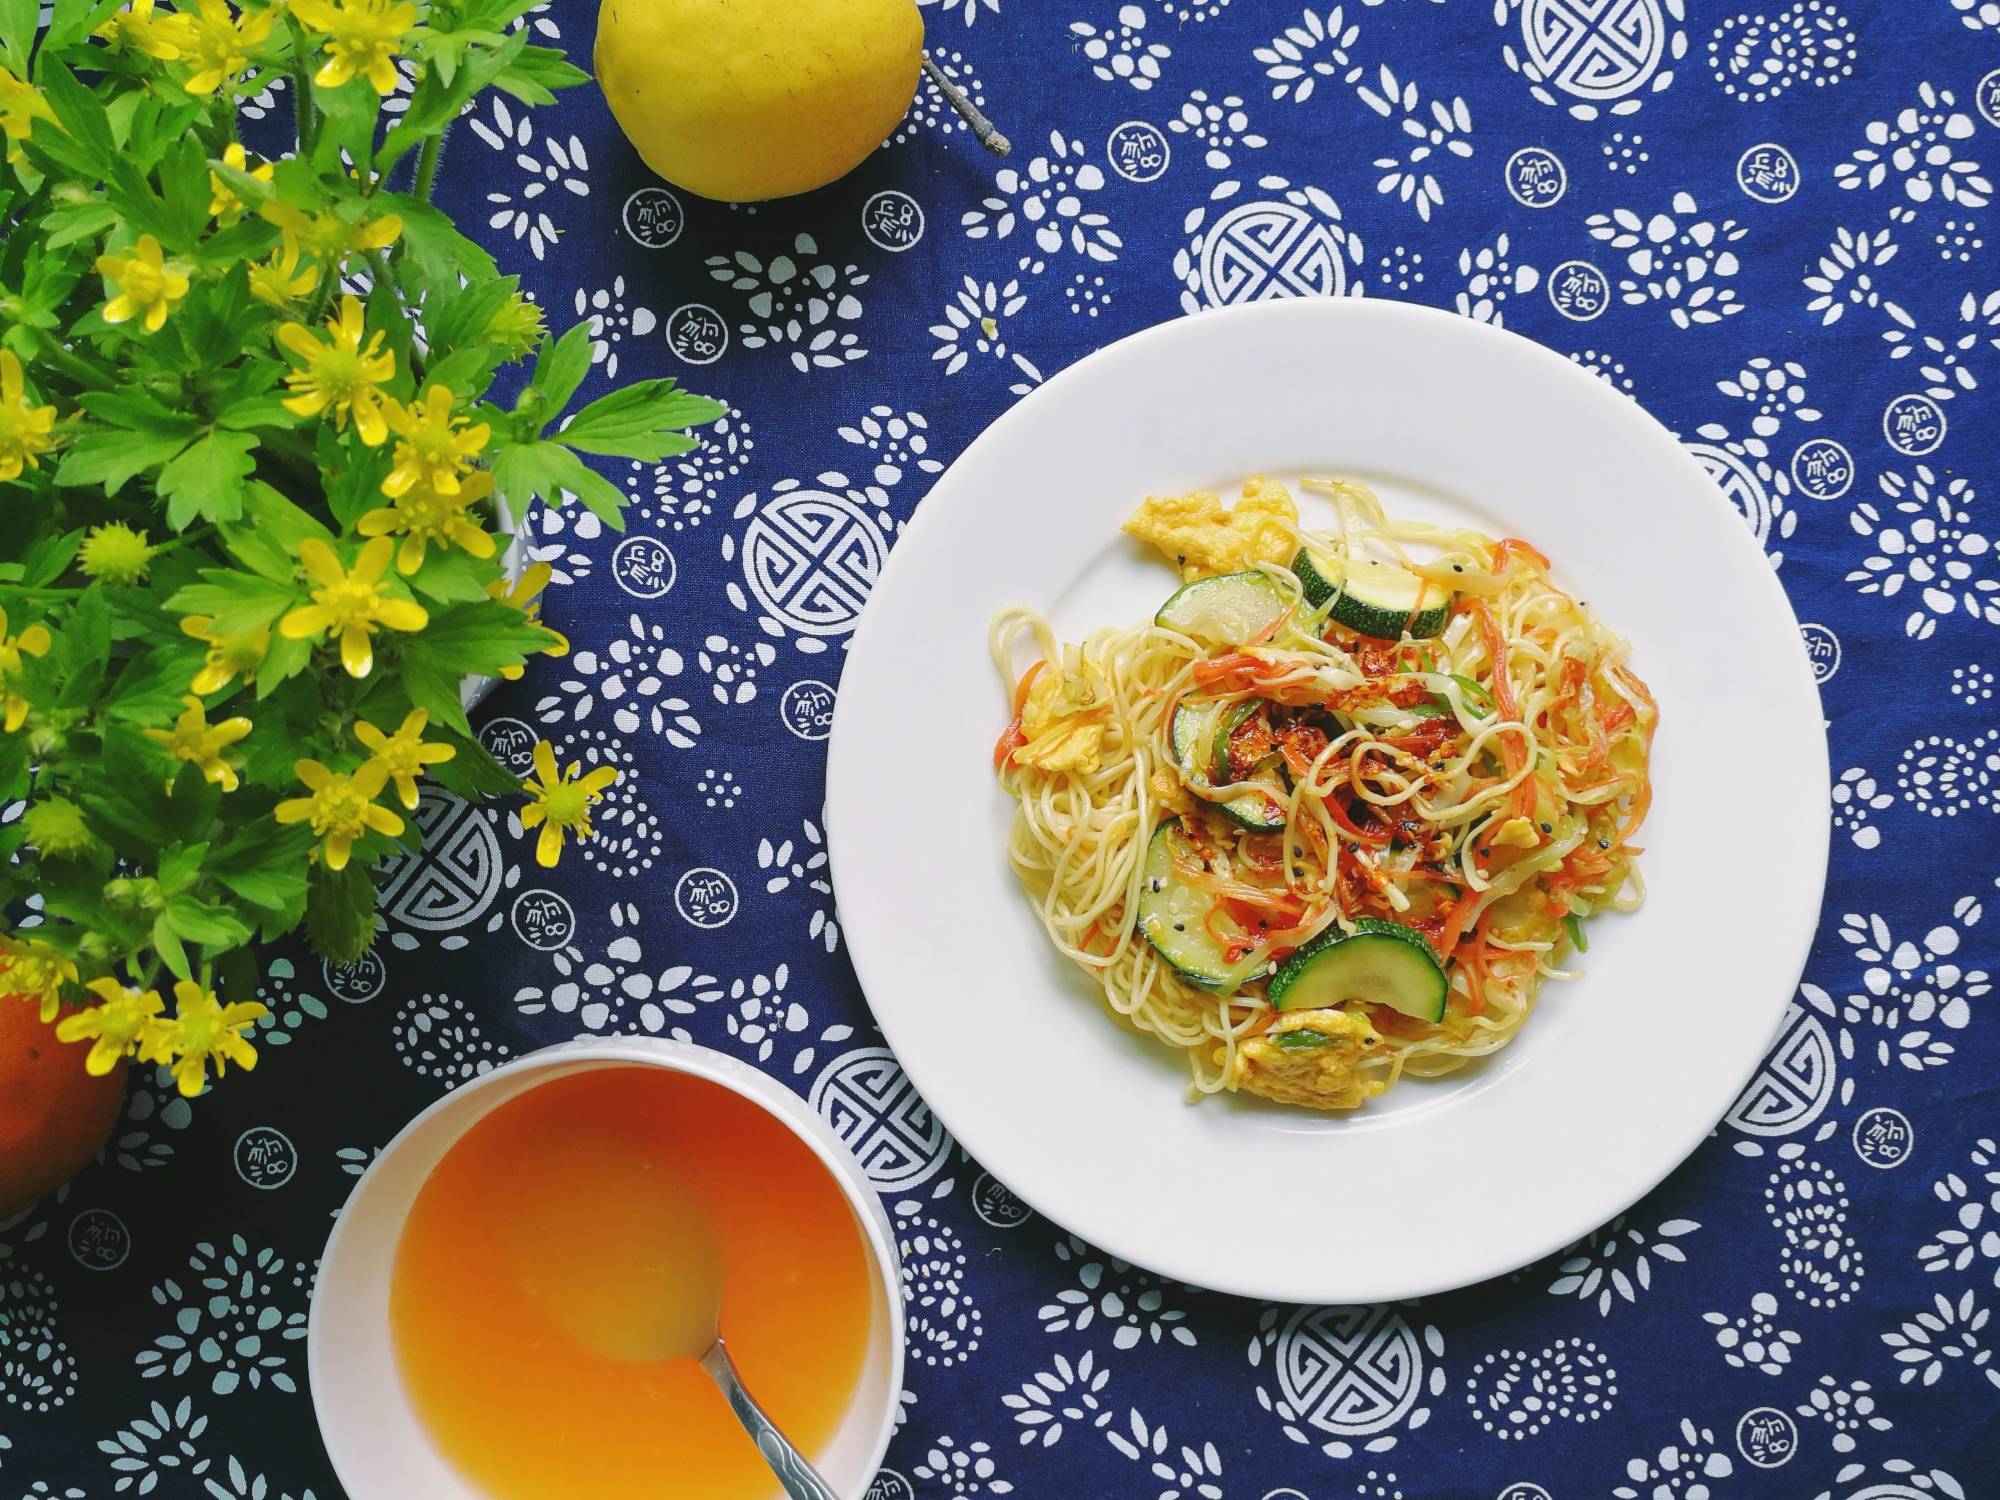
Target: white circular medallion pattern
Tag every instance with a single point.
(1594, 49)
(265, 1157)
(653, 216)
(99, 1240)
(889, 1485)
(883, 1120)
(1822, 650)
(1536, 177)
(705, 897)
(542, 919)
(1579, 291)
(1883, 1138)
(453, 878)
(1795, 1083)
(696, 333)
(995, 1202)
(892, 220)
(510, 742)
(1914, 425)
(1766, 1437)
(1349, 1371)
(1768, 172)
(807, 709)
(1739, 485)
(643, 567)
(1292, 244)
(1822, 469)
(811, 559)
(1523, 1489)
(1138, 151)
(1986, 94)
(358, 982)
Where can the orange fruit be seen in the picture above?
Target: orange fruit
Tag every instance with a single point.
(53, 1115)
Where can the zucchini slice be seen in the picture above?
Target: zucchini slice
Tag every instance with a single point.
(1232, 609)
(1196, 735)
(1378, 599)
(1379, 963)
(1173, 917)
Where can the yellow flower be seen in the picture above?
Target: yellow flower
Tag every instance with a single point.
(561, 802)
(223, 204)
(34, 641)
(424, 515)
(342, 374)
(432, 446)
(201, 744)
(127, 1022)
(204, 1030)
(523, 596)
(350, 602)
(363, 38)
(21, 104)
(341, 809)
(403, 755)
(35, 972)
(327, 237)
(229, 656)
(218, 45)
(281, 279)
(25, 429)
(137, 29)
(147, 283)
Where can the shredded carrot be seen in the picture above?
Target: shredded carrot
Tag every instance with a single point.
(1011, 739)
(1021, 688)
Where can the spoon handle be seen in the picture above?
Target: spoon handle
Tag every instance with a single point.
(799, 1478)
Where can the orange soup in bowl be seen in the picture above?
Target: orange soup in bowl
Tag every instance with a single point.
(563, 1228)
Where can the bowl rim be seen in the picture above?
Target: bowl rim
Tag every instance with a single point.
(694, 1060)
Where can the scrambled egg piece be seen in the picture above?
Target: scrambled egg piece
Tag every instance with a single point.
(1203, 536)
(1169, 794)
(1318, 1075)
(1054, 743)
(1516, 833)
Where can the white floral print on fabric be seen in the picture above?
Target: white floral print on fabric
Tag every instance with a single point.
(1846, 1408)
(1514, 1395)
(1048, 200)
(1757, 56)
(238, 1316)
(800, 302)
(158, 1444)
(1616, 1262)
(1754, 1340)
(1292, 243)
(1491, 277)
(1856, 796)
(1950, 1332)
(524, 209)
(1947, 361)
(974, 324)
(1109, 1290)
(946, 1327)
(1677, 258)
(629, 680)
(1925, 541)
(611, 322)
(1121, 51)
(1920, 149)
(962, 1471)
(1186, 1472)
(1972, 1196)
(1062, 1398)
(1318, 45)
(1440, 126)
(1680, 1470)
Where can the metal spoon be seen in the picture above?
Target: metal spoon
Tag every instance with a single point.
(800, 1479)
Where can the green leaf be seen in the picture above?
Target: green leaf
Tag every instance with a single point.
(524, 471)
(150, 688)
(18, 22)
(453, 577)
(466, 372)
(183, 174)
(167, 943)
(135, 409)
(46, 287)
(74, 20)
(45, 562)
(340, 912)
(179, 865)
(265, 863)
(69, 222)
(537, 73)
(458, 318)
(240, 602)
(81, 115)
(642, 420)
(434, 248)
(206, 481)
(284, 659)
(82, 647)
(111, 458)
(558, 372)
(127, 802)
(205, 922)
(472, 773)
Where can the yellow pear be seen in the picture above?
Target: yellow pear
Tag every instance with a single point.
(748, 99)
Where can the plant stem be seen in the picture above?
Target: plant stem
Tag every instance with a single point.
(78, 370)
(427, 165)
(301, 89)
(983, 130)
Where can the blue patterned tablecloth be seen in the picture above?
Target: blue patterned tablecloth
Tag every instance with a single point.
(1768, 220)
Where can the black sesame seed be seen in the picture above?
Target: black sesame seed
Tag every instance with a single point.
(1604, 843)
(1458, 567)
(1180, 927)
(1545, 828)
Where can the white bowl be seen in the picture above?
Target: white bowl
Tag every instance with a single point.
(379, 1448)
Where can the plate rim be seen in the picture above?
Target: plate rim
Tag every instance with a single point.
(844, 740)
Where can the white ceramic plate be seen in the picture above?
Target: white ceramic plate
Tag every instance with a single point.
(1616, 1077)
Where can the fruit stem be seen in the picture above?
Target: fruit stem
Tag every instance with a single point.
(983, 130)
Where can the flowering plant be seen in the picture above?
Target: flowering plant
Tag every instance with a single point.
(256, 477)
